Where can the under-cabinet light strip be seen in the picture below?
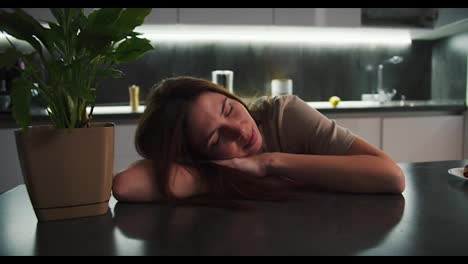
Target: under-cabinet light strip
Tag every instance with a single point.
(276, 34)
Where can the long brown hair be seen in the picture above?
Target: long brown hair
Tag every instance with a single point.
(162, 137)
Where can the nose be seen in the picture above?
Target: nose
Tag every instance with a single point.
(237, 132)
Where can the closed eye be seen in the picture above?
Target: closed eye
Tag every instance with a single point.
(230, 110)
(214, 144)
(227, 114)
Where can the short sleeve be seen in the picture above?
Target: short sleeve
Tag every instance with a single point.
(303, 129)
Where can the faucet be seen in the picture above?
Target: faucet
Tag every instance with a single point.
(382, 96)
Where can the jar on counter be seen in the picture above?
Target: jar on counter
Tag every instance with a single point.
(281, 87)
(224, 78)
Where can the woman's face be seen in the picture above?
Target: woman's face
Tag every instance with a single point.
(222, 128)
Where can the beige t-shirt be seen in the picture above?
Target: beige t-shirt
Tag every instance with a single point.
(288, 124)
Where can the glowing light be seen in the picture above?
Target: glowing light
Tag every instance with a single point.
(275, 34)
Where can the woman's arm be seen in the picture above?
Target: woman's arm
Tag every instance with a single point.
(365, 169)
(137, 183)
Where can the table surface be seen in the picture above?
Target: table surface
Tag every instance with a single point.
(429, 218)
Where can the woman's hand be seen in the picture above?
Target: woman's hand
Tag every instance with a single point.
(185, 181)
(256, 165)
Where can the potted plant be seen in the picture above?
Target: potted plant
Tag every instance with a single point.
(68, 165)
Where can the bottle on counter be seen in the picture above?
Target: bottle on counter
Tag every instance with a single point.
(134, 91)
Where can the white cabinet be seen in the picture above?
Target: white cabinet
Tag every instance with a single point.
(10, 169)
(450, 15)
(412, 138)
(226, 16)
(40, 13)
(465, 138)
(162, 16)
(318, 17)
(428, 138)
(295, 16)
(45, 14)
(369, 128)
(125, 152)
(399, 17)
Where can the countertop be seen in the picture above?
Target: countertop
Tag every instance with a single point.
(429, 218)
(391, 106)
(123, 112)
(326, 107)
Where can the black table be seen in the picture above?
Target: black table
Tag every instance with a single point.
(430, 218)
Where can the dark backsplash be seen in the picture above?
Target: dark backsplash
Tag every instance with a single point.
(318, 72)
(449, 72)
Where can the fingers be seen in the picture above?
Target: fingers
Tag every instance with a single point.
(228, 163)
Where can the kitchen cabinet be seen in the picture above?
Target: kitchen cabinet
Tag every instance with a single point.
(400, 17)
(369, 128)
(423, 23)
(162, 16)
(318, 17)
(40, 13)
(157, 15)
(10, 169)
(465, 138)
(412, 138)
(226, 16)
(125, 152)
(45, 14)
(428, 138)
(450, 15)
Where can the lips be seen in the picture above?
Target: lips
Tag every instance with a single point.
(252, 139)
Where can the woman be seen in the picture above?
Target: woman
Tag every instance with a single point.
(198, 140)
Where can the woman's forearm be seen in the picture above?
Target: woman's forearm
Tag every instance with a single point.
(350, 173)
(138, 183)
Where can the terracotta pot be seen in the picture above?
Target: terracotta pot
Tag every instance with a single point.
(67, 172)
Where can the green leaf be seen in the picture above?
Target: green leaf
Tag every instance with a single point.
(59, 14)
(73, 111)
(15, 25)
(134, 34)
(73, 13)
(35, 29)
(81, 21)
(104, 16)
(72, 53)
(131, 49)
(132, 17)
(56, 29)
(21, 101)
(114, 73)
(96, 39)
(9, 58)
(56, 37)
(125, 24)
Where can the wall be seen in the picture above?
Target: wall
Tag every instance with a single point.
(318, 72)
(449, 59)
(451, 15)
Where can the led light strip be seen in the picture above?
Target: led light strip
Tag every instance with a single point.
(276, 34)
(273, 35)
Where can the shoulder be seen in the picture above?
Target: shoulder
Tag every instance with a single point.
(265, 103)
(279, 108)
(289, 106)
